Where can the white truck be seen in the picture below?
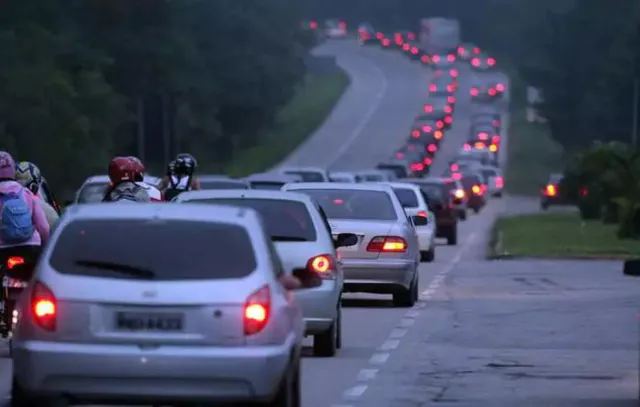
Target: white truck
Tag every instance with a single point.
(439, 35)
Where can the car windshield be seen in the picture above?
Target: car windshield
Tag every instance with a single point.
(222, 184)
(155, 249)
(488, 173)
(353, 204)
(407, 197)
(307, 176)
(92, 193)
(268, 185)
(284, 220)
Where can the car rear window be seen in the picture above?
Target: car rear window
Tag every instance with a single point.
(470, 180)
(307, 176)
(373, 178)
(353, 204)
(399, 170)
(435, 192)
(268, 185)
(488, 173)
(92, 193)
(223, 185)
(407, 197)
(284, 220)
(152, 249)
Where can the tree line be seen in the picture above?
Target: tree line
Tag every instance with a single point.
(84, 80)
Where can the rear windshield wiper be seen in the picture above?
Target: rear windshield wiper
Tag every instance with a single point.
(277, 238)
(120, 268)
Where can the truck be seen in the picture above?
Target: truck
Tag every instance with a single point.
(439, 35)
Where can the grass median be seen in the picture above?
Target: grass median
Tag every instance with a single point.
(558, 235)
(306, 111)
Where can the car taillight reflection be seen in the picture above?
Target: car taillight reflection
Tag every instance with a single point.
(475, 62)
(428, 108)
(474, 91)
(417, 167)
(499, 182)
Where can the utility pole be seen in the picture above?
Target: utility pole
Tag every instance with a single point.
(634, 128)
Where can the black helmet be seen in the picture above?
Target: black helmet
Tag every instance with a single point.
(183, 166)
(189, 158)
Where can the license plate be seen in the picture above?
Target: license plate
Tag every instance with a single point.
(149, 322)
(13, 282)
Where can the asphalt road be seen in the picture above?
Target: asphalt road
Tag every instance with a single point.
(484, 334)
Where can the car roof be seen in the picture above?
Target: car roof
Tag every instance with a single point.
(427, 180)
(406, 185)
(96, 179)
(206, 213)
(365, 186)
(307, 169)
(251, 193)
(273, 177)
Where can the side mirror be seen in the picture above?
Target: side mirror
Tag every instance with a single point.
(345, 240)
(308, 278)
(631, 268)
(420, 220)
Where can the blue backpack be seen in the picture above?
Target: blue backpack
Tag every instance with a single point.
(16, 224)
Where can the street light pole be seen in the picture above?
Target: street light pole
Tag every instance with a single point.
(636, 96)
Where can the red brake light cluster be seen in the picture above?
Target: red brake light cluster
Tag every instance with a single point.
(475, 62)
(43, 307)
(499, 182)
(436, 58)
(387, 244)
(551, 190)
(323, 265)
(257, 311)
(14, 261)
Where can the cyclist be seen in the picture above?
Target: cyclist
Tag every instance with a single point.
(29, 176)
(180, 176)
(122, 174)
(139, 170)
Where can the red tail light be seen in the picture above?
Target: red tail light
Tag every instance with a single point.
(438, 135)
(451, 88)
(455, 167)
(448, 119)
(551, 190)
(414, 50)
(456, 176)
(584, 191)
(423, 214)
(417, 167)
(496, 123)
(448, 109)
(43, 307)
(500, 87)
(411, 36)
(399, 155)
(436, 58)
(428, 108)
(439, 124)
(451, 99)
(492, 92)
(406, 47)
(342, 25)
(427, 161)
(313, 25)
(491, 61)
(256, 311)
(433, 88)
(432, 148)
(483, 136)
(427, 129)
(460, 50)
(324, 265)
(474, 92)
(424, 59)
(476, 189)
(385, 42)
(451, 58)
(475, 62)
(387, 244)
(499, 182)
(467, 147)
(476, 50)
(495, 139)
(479, 145)
(14, 261)
(415, 134)
(453, 73)
(379, 36)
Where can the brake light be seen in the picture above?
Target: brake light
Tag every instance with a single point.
(256, 311)
(14, 261)
(428, 108)
(432, 88)
(499, 182)
(461, 50)
(43, 307)
(423, 214)
(479, 145)
(451, 58)
(493, 148)
(475, 62)
(379, 36)
(417, 167)
(432, 148)
(399, 155)
(455, 167)
(342, 25)
(436, 58)
(387, 244)
(491, 61)
(338, 201)
(476, 189)
(323, 265)
(476, 50)
(411, 36)
(438, 135)
(405, 47)
(424, 59)
(584, 191)
(415, 134)
(495, 139)
(466, 147)
(439, 124)
(453, 73)
(551, 190)
(459, 193)
(427, 161)
(448, 109)
(385, 42)
(456, 176)
(427, 129)
(474, 91)
(492, 92)
(313, 25)
(483, 136)
(414, 51)
(451, 99)
(500, 87)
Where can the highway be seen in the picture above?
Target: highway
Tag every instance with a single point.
(484, 334)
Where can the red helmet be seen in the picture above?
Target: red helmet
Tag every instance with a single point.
(121, 169)
(138, 167)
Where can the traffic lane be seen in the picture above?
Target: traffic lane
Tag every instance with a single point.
(389, 127)
(522, 333)
(368, 321)
(367, 83)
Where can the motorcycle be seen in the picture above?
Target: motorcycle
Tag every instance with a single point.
(16, 273)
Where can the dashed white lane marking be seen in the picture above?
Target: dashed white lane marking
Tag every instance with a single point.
(379, 359)
(357, 131)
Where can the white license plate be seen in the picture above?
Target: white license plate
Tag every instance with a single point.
(13, 283)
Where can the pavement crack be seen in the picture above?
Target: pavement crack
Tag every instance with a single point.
(506, 364)
(522, 375)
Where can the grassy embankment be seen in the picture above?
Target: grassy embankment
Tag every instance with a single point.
(309, 107)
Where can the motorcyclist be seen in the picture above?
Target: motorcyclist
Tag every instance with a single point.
(123, 187)
(29, 176)
(139, 171)
(180, 176)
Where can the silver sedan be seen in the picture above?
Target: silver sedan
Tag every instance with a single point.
(386, 257)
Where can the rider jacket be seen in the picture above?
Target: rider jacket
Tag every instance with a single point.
(127, 191)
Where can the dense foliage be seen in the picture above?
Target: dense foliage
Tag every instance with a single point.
(81, 78)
